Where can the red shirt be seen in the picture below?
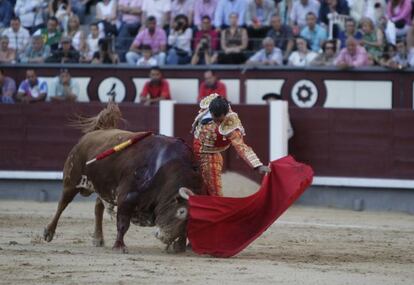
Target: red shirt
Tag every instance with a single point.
(156, 91)
(219, 88)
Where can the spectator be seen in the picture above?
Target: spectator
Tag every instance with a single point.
(353, 55)
(7, 54)
(327, 57)
(373, 9)
(372, 39)
(159, 9)
(284, 9)
(313, 32)
(7, 88)
(61, 10)
(51, 35)
(302, 56)
(65, 88)
(105, 53)
(207, 32)
(31, 13)
(106, 16)
(224, 10)
(64, 54)
(204, 54)
(31, 90)
(269, 97)
(79, 8)
(211, 85)
(411, 57)
(153, 36)
(37, 52)
(269, 55)
(130, 13)
(203, 8)
(281, 35)
(300, 10)
(399, 12)
(92, 43)
(400, 60)
(182, 7)
(18, 36)
(156, 89)
(234, 42)
(180, 41)
(258, 15)
(332, 7)
(75, 33)
(350, 31)
(146, 59)
(389, 52)
(6, 12)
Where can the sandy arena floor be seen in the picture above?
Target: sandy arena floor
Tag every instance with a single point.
(305, 246)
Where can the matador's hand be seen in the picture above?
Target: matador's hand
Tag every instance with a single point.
(263, 169)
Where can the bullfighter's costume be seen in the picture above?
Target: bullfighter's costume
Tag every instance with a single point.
(211, 139)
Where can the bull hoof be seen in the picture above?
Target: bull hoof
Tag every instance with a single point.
(176, 247)
(48, 235)
(120, 247)
(98, 242)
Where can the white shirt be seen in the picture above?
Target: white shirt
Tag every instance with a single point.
(24, 10)
(297, 59)
(157, 8)
(144, 62)
(106, 10)
(20, 39)
(181, 41)
(92, 45)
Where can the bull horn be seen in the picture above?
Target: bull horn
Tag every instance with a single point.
(185, 193)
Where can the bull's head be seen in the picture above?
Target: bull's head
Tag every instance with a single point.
(171, 222)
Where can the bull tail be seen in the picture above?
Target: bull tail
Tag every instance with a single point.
(108, 118)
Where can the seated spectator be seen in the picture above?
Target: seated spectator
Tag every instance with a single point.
(399, 12)
(372, 39)
(400, 59)
(315, 34)
(7, 54)
(389, 52)
(156, 89)
(204, 54)
(258, 15)
(6, 13)
(207, 32)
(18, 36)
(224, 10)
(234, 42)
(327, 57)
(92, 43)
(61, 10)
(75, 33)
(105, 53)
(411, 57)
(31, 90)
(7, 88)
(202, 9)
(79, 8)
(268, 55)
(303, 56)
(31, 13)
(160, 10)
(65, 88)
(179, 41)
(284, 8)
(51, 34)
(373, 9)
(211, 85)
(146, 59)
(331, 7)
(37, 52)
(64, 54)
(300, 10)
(182, 7)
(130, 13)
(281, 35)
(353, 55)
(106, 16)
(153, 36)
(350, 31)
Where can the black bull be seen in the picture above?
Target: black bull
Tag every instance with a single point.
(143, 181)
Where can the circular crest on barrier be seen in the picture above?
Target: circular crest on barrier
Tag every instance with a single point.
(111, 87)
(304, 94)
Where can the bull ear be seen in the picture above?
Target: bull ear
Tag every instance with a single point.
(185, 193)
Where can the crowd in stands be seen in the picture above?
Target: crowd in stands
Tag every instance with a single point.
(343, 33)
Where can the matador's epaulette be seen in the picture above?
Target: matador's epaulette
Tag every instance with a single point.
(231, 123)
(205, 103)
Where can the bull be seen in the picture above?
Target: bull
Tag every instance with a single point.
(149, 182)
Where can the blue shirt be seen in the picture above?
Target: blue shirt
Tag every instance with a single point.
(315, 37)
(33, 91)
(275, 56)
(225, 8)
(6, 11)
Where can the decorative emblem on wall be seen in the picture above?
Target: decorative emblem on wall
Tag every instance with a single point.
(304, 94)
(111, 87)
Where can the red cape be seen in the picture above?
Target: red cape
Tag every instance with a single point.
(224, 226)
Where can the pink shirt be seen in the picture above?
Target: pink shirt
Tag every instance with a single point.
(401, 12)
(360, 58)
(203, 8)
(156, 40)
(129, 18)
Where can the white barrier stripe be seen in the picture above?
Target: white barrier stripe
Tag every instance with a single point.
(35, 175)
(339, 226)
